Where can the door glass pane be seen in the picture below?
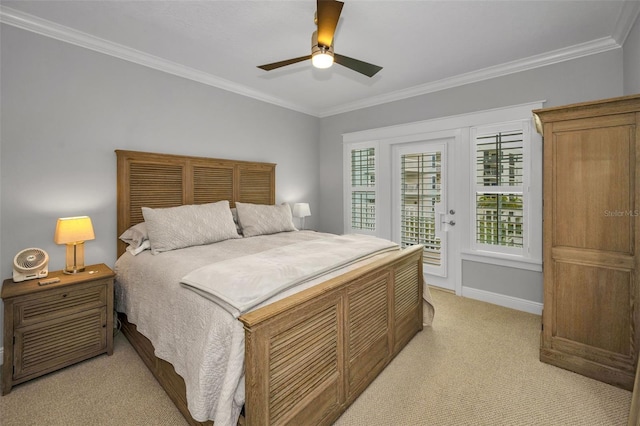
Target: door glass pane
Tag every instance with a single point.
(421, 191)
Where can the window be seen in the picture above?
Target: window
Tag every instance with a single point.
(362, 189)
(499, 180)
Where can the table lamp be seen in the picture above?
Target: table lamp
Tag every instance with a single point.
(74, 231)
(301, 210)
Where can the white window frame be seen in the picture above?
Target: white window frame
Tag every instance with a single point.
(349, 189)
(523, 126)
(389, 136)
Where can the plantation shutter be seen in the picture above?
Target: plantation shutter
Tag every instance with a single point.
(363, 189)
(499, 183)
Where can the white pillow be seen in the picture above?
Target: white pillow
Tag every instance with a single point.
(190, 225)
(262, 219)
(135, 236)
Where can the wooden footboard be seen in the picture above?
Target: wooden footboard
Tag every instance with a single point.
(309, 356)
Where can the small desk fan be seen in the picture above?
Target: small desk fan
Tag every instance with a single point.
(29, 264)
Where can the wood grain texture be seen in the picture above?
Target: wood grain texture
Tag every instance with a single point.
(308, 356)
(591, 238)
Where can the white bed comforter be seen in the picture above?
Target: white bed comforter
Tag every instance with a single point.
(242, 283)
(203, 341)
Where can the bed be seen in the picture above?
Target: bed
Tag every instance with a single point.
(306, 354)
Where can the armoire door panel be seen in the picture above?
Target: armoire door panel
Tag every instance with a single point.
(593, 199)
(596, 356)
(592, 306)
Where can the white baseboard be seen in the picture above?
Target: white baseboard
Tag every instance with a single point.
(503, 300)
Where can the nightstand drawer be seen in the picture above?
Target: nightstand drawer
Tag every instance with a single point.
(59, 303)
(48, 346)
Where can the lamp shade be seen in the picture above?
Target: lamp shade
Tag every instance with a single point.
(301, 210)
(73, 229)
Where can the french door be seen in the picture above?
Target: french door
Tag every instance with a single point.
(421, 214)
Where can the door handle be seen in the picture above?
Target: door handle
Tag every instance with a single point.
(450, 222)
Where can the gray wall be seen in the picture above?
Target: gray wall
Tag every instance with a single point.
(631, 49)
(65, 110)
(500, 280)
(588, 78)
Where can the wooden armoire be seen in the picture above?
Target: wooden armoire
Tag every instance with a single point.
(591, 238)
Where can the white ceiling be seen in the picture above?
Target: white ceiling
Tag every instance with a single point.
(423, 46)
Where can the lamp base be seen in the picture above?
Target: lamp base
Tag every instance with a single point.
(73, 270)
(75, 258)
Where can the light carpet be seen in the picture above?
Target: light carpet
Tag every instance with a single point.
(477, 365)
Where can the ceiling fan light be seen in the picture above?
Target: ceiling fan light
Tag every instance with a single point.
(322, 60)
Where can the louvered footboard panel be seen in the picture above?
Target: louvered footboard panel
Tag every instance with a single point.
(368, 331)
(407, 300)
(303, 361)
(294, 366)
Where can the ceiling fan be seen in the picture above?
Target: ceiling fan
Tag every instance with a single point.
(322, 55)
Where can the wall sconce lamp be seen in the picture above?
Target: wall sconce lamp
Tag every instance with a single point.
(74, 231)
(301, 210)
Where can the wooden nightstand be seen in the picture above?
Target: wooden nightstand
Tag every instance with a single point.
(48, 327)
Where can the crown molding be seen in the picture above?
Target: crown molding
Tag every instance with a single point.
(50, 29)
(627, 17)
(548, 58)
(629, 13)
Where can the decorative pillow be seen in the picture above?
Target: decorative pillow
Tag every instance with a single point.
(262, 219)
(190, 225)
(136, 235)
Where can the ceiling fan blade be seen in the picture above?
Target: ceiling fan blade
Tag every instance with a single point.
(328, 13)
(269, 67)
(362, 67)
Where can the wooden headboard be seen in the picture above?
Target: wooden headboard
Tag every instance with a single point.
(164, 180)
